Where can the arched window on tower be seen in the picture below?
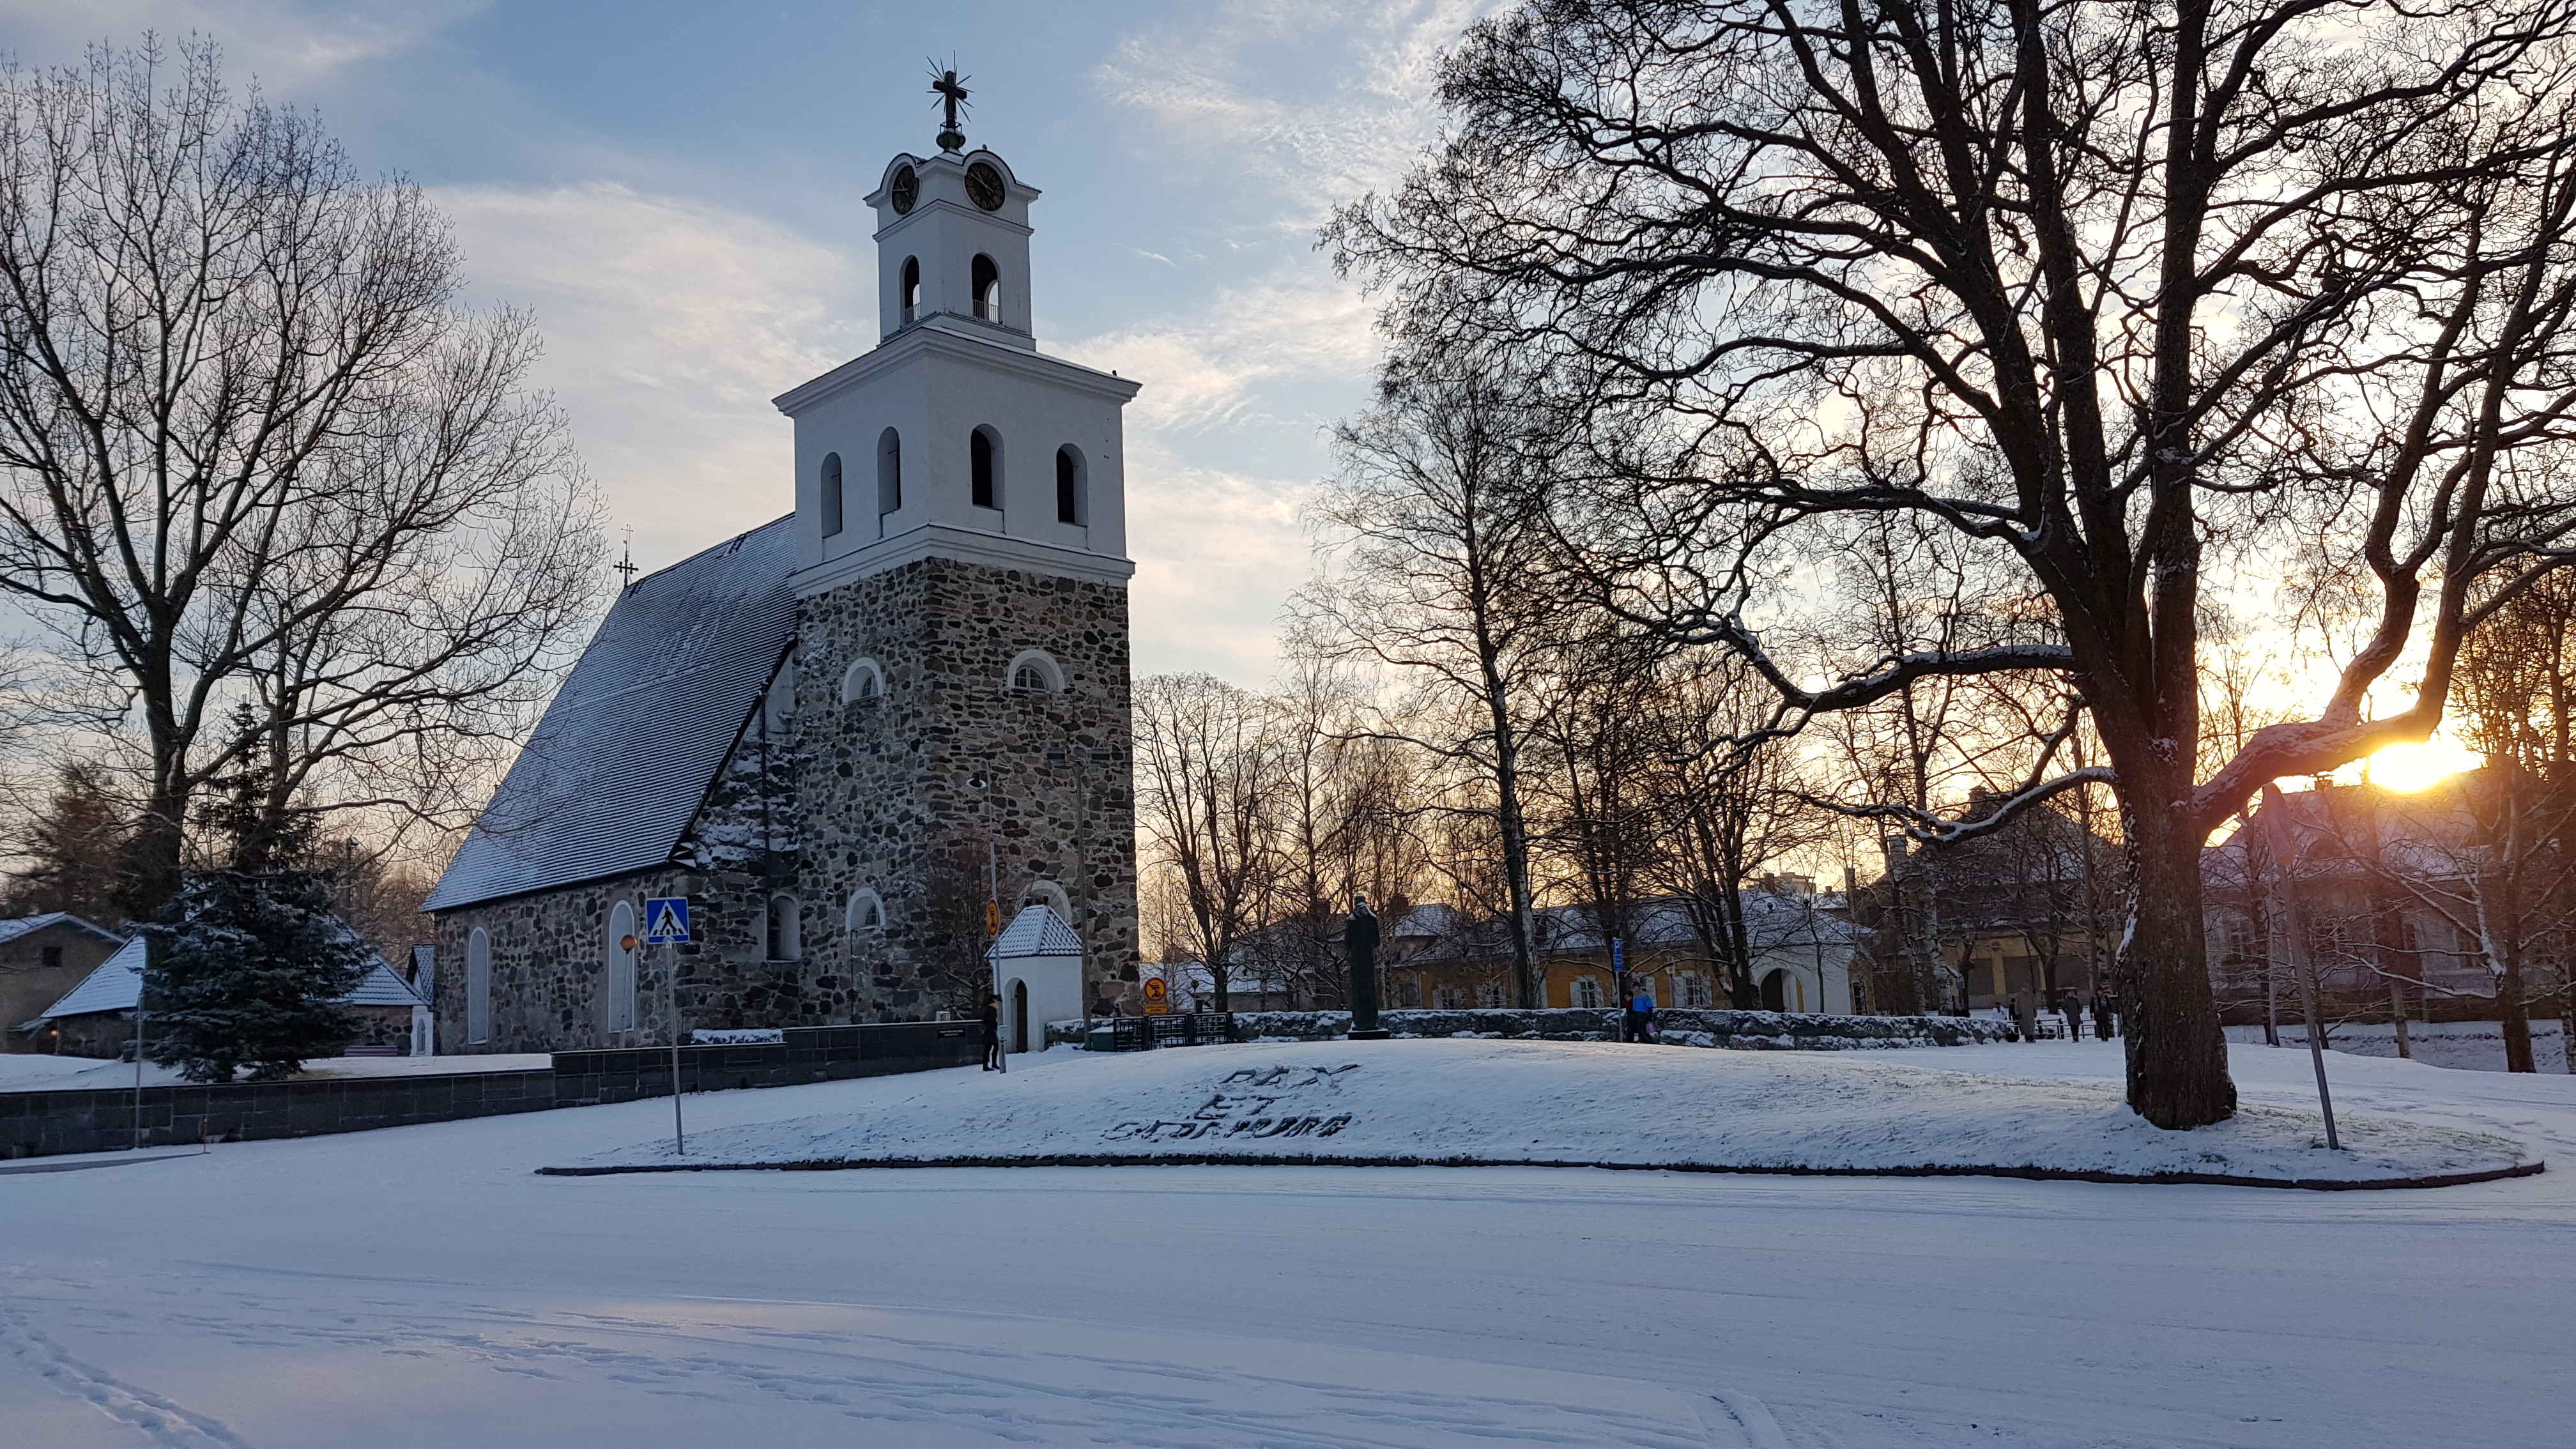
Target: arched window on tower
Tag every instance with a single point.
(1072, 491)
(984, 448)
(889, 472)
(1033, 671)
(864, 681)
(831, 494)
(911, 290)
(867, 911)
(988, 288)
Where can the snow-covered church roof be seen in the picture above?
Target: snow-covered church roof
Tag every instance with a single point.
(626, 752)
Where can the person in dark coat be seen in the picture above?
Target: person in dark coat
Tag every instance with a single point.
(2074, 1019)
(1639, 1023)
(992, 1033)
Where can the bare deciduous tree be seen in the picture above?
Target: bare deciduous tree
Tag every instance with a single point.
(252, 447)
(1208, 801)
(2090, 282)
(1439, 552)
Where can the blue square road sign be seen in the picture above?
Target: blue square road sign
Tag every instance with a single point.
(666, 920)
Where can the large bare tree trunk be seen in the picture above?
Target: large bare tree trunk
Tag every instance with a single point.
(2177, 1055)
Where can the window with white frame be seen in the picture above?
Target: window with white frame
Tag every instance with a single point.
(478, 988)
(621, 968)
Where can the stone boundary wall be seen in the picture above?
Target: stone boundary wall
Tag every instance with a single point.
(44, 1124)
(1740, 1030)
(809, 1054)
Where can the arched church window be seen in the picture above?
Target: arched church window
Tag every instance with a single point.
(1071, 503)
(864, 681)
(621, 968)
(1032, 670)
(478, 988)
(831, 494)
(867, 911)
(1049, 894)
(778, 929)
(889, 472)
(984, 448)
(988, 288)
(911, 290)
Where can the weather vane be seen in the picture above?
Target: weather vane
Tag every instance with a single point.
(950, 87)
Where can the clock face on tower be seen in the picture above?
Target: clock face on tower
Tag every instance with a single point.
(984, 184)
(907, 190)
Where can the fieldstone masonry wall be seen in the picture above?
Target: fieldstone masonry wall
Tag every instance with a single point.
(916, 793)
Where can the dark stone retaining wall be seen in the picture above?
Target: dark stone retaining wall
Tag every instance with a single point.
(42, 1124)
(1741, 1030)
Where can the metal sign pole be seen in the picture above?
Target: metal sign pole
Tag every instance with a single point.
(671, 983)
(141, 979)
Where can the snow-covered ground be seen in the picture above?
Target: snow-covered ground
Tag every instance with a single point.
(2470, 1046)
(1521, 1102)
(41, 1073)
(422, 1286)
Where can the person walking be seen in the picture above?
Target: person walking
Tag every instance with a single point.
(992, 1033)
(1639, 1023)
(2102, 1016)
(2025, 1016)
(2074, 1019)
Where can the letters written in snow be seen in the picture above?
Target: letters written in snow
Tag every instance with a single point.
(1249, 1104)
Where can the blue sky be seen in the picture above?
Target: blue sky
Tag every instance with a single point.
(674, 191)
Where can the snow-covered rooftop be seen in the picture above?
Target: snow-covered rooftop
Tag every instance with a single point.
(11, 930)
(117, 981)
(627, 750)
(1035, 931)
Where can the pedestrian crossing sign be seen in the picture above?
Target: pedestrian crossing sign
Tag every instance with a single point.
(666, 920)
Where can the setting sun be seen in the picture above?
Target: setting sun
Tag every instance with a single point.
(2414, 767)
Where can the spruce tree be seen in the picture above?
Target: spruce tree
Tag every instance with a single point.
(251, 965)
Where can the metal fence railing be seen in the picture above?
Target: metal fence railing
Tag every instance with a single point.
(1145, 1033)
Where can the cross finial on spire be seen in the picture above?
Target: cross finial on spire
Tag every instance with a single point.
(626, 566)
(951, 90)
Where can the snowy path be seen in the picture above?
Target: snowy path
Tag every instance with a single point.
(421, 1287)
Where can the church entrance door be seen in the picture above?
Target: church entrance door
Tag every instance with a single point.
(1019, 1016)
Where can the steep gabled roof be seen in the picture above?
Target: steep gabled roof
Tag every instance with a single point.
(118, 980)
(11, 930)
(626, 753)
(111, 987)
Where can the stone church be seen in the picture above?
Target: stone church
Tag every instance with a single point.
(843, 733)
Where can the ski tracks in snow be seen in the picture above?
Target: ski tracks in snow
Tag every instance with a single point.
(160, 1421)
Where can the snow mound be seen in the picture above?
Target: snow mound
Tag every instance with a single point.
(1472, 1102)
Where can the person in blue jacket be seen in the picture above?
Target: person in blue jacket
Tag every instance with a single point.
(1639, 1023)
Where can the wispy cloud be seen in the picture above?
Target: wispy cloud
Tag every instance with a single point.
(669, 325)
(282, 42)
(1321, 101)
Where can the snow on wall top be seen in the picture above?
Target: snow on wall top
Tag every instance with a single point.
(1035, 931)
(628, 749)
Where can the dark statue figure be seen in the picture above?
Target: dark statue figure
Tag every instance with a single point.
(1360, 937)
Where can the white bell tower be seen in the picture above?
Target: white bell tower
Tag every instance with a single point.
(962, 721)
(955, 437)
